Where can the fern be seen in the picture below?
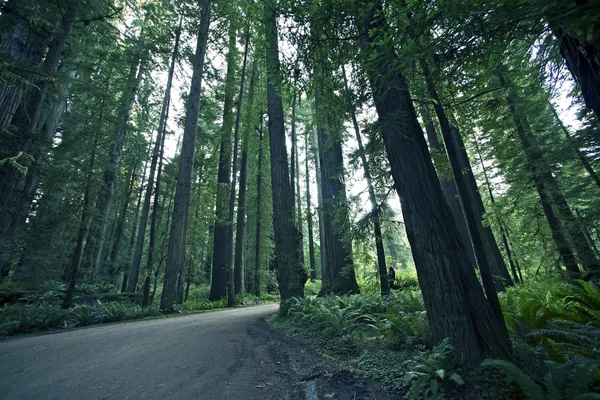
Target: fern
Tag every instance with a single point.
(530, 389)
(572, 380)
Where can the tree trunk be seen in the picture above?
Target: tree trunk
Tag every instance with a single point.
(455, 303)
(257, 248)
(241, 213)
(503, 231)
(449, 188)
(134, 270)
(113, 266)
(580, 155)
(73, 269)
(222, 246)
(309, 221)
(384, 282)
(16, 192)
(484, 244)
(340, 277)
(299, 204)
(173, 283)
(290, 272)
(294, 170)
(97, 231)
(134, 224)
(322, 261)
(236, 276)
(162, 128)
(540, 179)
(581, 58)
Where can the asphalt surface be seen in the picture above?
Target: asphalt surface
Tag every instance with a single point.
(211, 355)
(231, 355)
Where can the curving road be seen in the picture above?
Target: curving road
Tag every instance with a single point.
(211, 355)
(230, 355)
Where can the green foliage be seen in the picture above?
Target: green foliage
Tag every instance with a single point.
(561, 318)
(406, 329)
(427, 373)
(533, 304)
(419, 373)
(572, 380)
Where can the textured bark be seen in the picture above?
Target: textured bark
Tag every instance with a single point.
(236, 276)
(449, 189)
(17, 190)
(484, 244)
(340, 277)
(579, 46)
(22, 48)
(455, 303)
(540, 179)
(173, 283)
(240, 230)
(384, 282)
(290, 272)
(221, 244)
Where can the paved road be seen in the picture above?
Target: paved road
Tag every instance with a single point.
(215, 355)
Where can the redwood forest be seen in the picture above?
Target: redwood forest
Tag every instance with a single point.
(415, 183)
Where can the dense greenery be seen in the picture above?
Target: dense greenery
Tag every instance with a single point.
(436, 159)
(554, 326)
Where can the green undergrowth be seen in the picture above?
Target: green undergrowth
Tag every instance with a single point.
(28, 311)
(555, 329)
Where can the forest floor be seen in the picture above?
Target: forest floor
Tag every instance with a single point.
(230, 354)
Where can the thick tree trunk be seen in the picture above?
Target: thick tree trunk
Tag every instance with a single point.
(582, 59)
(236, 276)
(17, 190)
(241, 212)
(484, 244)
(449, 188)
(173, 283)
(455, 303)
(540, 179)
(384, 282)
(222, 246)
(290, 272)
(340, 277)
